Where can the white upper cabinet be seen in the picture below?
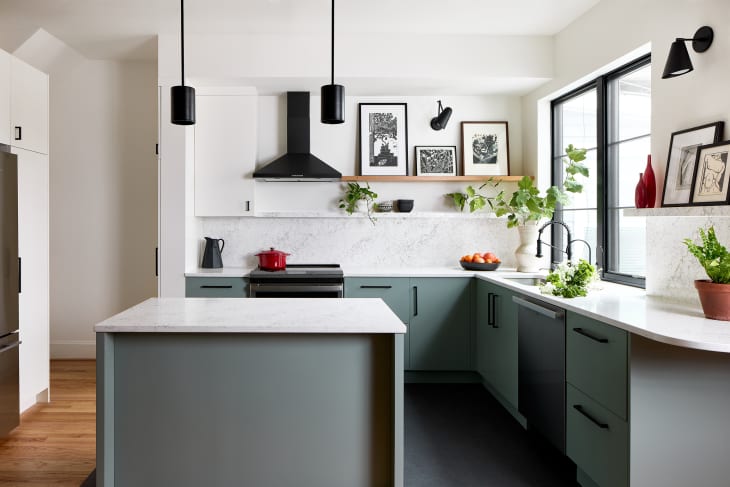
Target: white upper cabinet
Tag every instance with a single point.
(4, 97)
(28, 107)
(225, 151)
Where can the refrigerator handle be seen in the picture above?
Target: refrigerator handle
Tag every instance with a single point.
(10, 347)
(20, 273)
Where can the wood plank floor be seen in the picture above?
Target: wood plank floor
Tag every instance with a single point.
(55, 444)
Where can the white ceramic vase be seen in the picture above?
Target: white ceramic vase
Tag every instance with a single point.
(525, 253)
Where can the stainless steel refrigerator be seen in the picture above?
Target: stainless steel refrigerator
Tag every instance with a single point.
(10, 287)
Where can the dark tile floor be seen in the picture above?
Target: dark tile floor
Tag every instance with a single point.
(459, 435)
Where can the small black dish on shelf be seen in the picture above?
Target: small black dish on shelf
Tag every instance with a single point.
(405, 206)
(473, 266)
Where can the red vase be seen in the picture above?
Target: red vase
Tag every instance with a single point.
(640, 193)
(649, 184)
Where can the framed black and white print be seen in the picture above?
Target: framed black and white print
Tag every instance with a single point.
(383, 139)
(711, 175)
(682, 160)
(485, 148)
(436, 160)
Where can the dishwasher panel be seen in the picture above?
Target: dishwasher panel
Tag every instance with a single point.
(541, 372)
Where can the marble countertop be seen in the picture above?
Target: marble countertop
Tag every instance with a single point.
(226, 315)
(624, 307)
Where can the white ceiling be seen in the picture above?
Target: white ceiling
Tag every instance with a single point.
(127, 29)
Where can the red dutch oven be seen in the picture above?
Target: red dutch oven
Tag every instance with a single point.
(272, 260)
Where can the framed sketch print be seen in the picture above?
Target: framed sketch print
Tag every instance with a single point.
(485, 148)
(436, 160)
(383, 139)
(711, 175)
(681, 162)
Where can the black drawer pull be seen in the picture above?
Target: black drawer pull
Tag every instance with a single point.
(581, 331)
(205, 286)
(376, 287)
(18, 132)
(593, 420)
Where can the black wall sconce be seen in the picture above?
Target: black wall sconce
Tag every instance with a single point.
(439, 121)
(678, 61)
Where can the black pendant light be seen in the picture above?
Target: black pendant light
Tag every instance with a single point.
(182, 98)
(333, 96)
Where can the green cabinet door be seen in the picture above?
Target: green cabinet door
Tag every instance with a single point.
(440, 323)
(216, 287)
(392, 290)
(496, 335)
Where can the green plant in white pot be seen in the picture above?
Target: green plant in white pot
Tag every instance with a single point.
(526, 207)
(715, 259)
(358, 197)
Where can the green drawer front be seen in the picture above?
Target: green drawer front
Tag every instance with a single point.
(392, 290)
(597, 361)
(600, 450)
(216, 287)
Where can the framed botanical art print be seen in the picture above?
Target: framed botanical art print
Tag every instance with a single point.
(711, 175)
(485, 148)
(383, 139)
(436, 160)
(682, 161)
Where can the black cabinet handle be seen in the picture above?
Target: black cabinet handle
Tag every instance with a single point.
(20, 273)
(593, 420)
(490, 309)
(415, 300)
(205, 286)
(595, 338)
(376, 287)
(18, 132)
(157, 262)
(248, 205)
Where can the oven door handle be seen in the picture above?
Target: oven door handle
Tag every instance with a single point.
(283, 288)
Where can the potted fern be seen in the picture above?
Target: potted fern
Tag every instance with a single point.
(715, 259)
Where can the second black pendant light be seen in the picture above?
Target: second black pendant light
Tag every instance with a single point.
(333, 96)
(182, 98)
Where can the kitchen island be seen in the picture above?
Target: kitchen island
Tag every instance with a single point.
(305, 392)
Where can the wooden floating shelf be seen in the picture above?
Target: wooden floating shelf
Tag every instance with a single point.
(442, 179)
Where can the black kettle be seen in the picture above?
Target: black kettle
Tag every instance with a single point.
(212, 254)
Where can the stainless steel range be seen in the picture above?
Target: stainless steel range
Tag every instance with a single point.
(298, 281)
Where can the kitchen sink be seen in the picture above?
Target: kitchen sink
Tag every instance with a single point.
(527, 281)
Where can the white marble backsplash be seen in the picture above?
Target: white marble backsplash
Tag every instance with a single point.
(391, 242)
(670, 269)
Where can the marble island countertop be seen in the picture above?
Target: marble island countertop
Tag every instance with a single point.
(225, 315)
(625, 307)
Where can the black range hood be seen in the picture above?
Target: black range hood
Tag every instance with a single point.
(298, 164)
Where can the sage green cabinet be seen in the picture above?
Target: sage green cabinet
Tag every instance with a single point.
(597, 427)
(216, 287)
(496, 339)
(393, 290)
(440, 324)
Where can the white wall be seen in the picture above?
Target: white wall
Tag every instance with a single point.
(103, 185)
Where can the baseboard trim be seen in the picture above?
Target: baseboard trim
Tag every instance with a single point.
(73, 349)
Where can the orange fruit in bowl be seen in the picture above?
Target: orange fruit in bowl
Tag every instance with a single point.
(466, 258)
(478, 260)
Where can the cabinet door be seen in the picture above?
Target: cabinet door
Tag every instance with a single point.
(216, 287)
(225, 153)
(4, 98)
(28, 107)
(33, 234)
(497, 339)
(392, 290)
(440, 316)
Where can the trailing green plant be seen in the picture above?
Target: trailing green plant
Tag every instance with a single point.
(713, 256)
(526, 203)
(570, 280)
(355, 193)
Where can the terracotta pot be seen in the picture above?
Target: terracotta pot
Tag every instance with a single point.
(715, 299)
(272, 260)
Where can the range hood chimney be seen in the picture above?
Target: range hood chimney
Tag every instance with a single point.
(298, 164)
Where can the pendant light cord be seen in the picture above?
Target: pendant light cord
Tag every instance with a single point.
(182, 42)
(333, 43)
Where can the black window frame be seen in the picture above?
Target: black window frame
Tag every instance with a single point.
(602, 254)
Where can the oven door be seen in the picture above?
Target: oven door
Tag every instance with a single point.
(298, 290)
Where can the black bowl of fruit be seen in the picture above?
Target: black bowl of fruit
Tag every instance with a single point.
(480, 262)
